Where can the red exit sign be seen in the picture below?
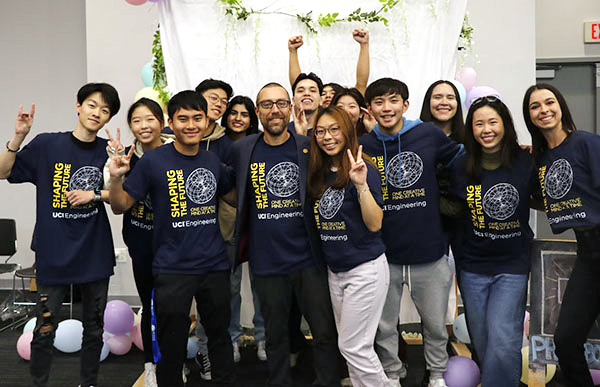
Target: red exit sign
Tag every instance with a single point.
(591, 32)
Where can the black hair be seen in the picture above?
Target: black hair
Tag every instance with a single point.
(385, 86)
(109, 93)
(509, 148)
(153, 106)
(187, 99)
(539, 143)
(268, 85)
(313, 77)
(247, 102)
(457, 124)
(360, 100)
(337, 88)
(210, 83)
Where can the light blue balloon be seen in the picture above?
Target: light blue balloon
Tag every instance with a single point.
(69, 336)
(30, 325)
(460, 329)
(193, 346)
(462, 93)
(105, 351)
(148, 75)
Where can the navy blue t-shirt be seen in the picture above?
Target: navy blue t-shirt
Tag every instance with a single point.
(184, 192)
(412, 230)
(138, 225)
(496, 232)
(569, 177)
(277, 232)
(74, 244)
(345, 240)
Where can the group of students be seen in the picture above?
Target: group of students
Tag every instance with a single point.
(335, 212)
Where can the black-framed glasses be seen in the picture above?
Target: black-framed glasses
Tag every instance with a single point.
(489, 98)
(333, 131)
(268, 104)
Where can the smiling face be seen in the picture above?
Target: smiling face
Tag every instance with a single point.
(93, 112)
(349, 104)
(329, 136)
(275, 119)
(217, 103)
(488, 129)
(327, 95)
(145, 126)
(238, 119)
(307, 95)
(387, 110)
(544, 110)
(189, 126)
(443, 103)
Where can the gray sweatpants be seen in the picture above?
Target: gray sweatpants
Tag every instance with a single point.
(429, 284)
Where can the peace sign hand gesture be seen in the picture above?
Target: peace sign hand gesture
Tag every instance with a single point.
(119, 164)
(114, 146)
(358, 169)
(24, 121)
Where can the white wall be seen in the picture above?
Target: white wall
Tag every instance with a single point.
(43, 61)
(559, 32)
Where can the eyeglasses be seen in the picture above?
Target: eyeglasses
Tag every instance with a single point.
(333, 131)
(489, 98)
(215, 98)
(268, 105)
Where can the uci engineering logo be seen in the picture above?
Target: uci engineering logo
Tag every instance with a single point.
(283, 179)
(201, 186)
(331, 202)
(86, 179)
(501, 201)
(559, 179)
(405, 169)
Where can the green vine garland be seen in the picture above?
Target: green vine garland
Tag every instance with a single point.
(158, 68)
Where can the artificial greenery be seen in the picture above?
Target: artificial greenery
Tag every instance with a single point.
(466, 38)
(158, 69)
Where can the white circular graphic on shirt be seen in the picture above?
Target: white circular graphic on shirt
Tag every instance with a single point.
(201, 186)
(331, 202)
(501, 201)
(559, 179)
(86, 179)
(283, 179)
(405, 170)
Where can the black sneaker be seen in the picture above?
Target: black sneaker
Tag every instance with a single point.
(204, 364)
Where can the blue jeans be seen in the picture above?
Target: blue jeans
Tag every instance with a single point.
(496, 305)
(235, 329)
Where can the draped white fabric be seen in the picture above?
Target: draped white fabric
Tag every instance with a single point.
(200, 41)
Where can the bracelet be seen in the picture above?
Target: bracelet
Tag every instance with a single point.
(362, 191)
(10, 150)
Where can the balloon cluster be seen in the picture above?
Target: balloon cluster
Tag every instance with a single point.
(467, 79)
(121, 329)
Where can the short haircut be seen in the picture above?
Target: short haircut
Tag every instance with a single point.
(210, 83)
(458, 126)
(247, 102)
(187, 99)
(269, 85)
(153, 106)
(385, 86)
(335, 86)
(109, 93)
(312, 76)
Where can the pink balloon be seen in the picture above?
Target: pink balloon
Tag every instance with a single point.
(119, 345)
(526, 324)
(468, 77)
(136, 2)
(480, 91)
(24, 345)
(595, 376)
(118, 317)
(155, 1)
(136, 336)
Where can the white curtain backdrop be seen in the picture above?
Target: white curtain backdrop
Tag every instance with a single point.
(200, 41)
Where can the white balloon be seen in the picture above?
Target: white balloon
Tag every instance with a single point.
(69, 336)
(460, 329)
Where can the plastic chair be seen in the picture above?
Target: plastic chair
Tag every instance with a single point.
(8, 247)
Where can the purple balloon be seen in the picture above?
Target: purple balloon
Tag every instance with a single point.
(461, 372)
(480, 91)
(595, 376)
(118, 317)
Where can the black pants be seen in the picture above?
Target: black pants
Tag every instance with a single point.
(94, 303)
(579, 310)
(276, 294)
(144, 282)
(173, 296)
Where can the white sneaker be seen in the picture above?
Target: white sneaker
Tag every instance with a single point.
(204, 363)
(236, 353)
(184, 373)
(394, 382)
(437, 382)
(261, 351)
(150, 375)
